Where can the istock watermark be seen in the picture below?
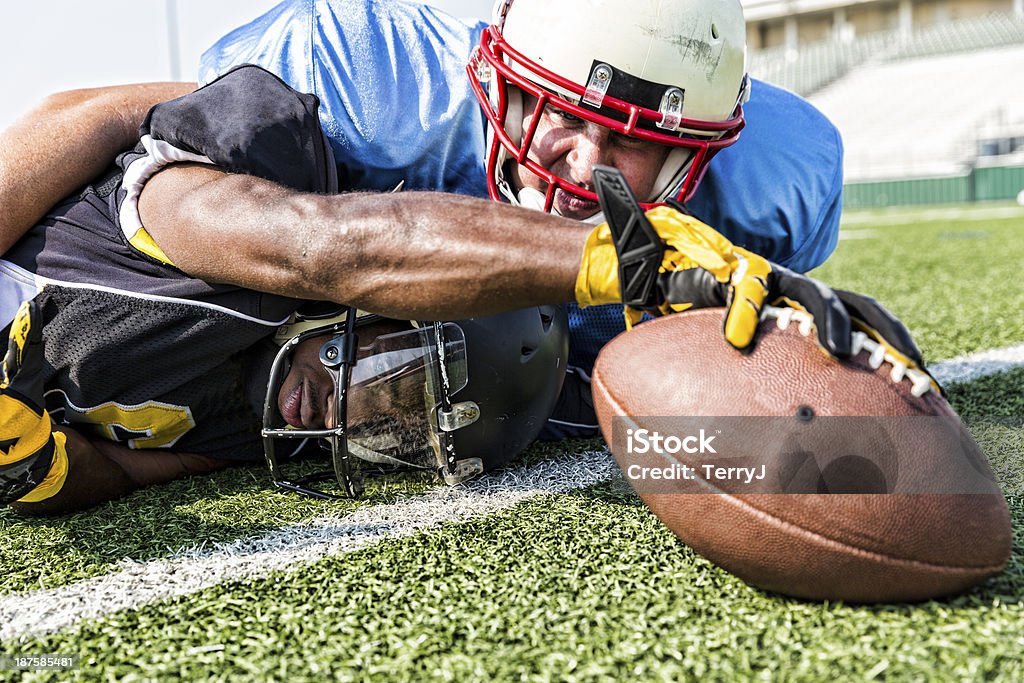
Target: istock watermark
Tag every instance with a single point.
(800, 454)
(643, 441)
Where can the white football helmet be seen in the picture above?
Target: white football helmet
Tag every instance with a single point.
(667, 71)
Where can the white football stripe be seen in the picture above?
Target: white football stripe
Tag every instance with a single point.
(138, 583)
(859, 234)
(975, 365)
(909, 216)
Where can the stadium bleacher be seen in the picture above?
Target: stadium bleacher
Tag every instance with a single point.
(911, 105)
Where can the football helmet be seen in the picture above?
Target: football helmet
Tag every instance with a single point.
(459, 398)
(667, 71)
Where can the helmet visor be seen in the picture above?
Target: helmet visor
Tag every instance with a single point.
(395, 390)
(383, 403)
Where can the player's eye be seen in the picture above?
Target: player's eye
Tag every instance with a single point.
(565, 118)
(632, 143)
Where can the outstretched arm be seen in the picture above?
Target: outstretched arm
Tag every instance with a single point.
(411, 255)
(65, 141)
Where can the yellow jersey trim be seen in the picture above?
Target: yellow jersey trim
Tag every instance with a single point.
(145, 243)
(54, 480)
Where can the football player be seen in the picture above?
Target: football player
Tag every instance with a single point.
(154, 374)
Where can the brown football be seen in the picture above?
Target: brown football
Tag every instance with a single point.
(816, 478)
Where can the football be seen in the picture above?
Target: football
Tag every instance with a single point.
(799, 473)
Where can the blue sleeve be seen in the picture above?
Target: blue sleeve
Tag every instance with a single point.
(394, 97)
(778, 191)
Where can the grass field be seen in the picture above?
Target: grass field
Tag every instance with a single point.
(552, 571)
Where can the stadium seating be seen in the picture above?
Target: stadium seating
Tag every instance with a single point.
(815, 65)
(911, 106)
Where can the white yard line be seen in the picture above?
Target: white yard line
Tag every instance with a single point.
(975, 365)
(859, 234)
(138, 583)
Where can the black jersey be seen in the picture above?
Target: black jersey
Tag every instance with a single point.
(138, 351)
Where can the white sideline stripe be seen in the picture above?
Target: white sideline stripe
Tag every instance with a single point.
(138, 583)
(975, 365)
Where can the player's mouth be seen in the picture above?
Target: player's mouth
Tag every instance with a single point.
(307, 405)
(573, 206)
(290, 406)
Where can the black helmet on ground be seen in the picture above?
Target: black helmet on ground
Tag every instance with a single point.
(461, 397)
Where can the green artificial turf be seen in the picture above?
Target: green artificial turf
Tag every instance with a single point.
(584, 586)
(956, 283)
(993, 409)
(580, 586)
(161, 520)
(158, 521)
(1001, 394)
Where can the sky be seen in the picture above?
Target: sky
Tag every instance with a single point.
(62, 44)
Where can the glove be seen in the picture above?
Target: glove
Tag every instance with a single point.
(33, 458)
(598, 279)
(666, 261)
(871, 318)
(645, 248)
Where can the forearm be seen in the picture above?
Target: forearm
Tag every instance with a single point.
(64, 142)
(92, 478)
(100, 470)
(430, 255)
(406, 255)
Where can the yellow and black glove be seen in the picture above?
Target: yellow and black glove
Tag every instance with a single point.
(665, 261)
(33, 458)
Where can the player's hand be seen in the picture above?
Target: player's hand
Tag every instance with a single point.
(754, 281)
(639, 248)
(668, 261)
(33, 458)
(744, 282)
(871, 318)
(601, 267)
(699, 268)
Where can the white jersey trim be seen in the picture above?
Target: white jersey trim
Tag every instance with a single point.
(158, 155)
(26, 282)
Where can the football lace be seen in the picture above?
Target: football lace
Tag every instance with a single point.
(878, 354)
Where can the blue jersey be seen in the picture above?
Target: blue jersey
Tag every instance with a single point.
(394, 99)
(397, 106)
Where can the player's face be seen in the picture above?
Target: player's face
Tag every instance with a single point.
(306, 396)
(569, 147)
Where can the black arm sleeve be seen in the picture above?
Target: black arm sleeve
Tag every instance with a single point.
(248, 121)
